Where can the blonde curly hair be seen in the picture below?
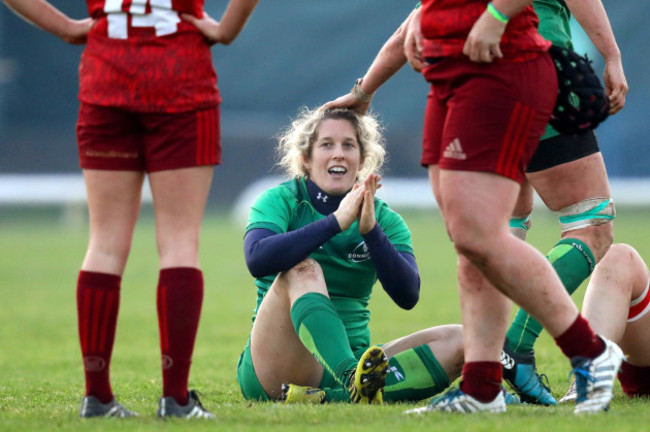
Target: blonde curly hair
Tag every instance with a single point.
(295, 143)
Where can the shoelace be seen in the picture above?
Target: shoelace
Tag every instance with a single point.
(543, 381)
(581, 375)
(194, 394)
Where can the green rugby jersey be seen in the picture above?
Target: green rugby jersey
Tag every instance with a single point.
(554, 17)
(349, 272)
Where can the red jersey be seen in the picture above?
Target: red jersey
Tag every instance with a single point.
(445, 25)
(141, 56)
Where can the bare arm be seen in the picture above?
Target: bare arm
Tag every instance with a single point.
(593, 19)
(388, 61)
(231, 24)
(43, 15)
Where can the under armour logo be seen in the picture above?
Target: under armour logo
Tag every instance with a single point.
(322, 197)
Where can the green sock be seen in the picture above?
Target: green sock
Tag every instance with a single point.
(320, 329)
(573, 261)
(413, 375)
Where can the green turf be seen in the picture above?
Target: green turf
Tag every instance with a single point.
(41, 380)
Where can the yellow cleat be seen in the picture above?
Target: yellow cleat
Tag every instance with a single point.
(296, 394)
(367, 381)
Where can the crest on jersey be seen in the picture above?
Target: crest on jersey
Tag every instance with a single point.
(360, 253)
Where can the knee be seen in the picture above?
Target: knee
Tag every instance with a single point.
(619, 256)
(306, 276)
(590, 218)
(447, 346)
(456, 341)
(307, 269)
(475, 252)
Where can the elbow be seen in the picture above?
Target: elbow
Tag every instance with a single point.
(255, 267)
(411, 299)
(410, 302)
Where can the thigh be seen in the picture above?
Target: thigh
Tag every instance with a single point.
(477, 204)
(565, 184)
(113, 206)
(180, 197)
(277, 353)
(182, 140)
(109, 139)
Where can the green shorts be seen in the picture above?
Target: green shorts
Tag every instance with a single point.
(247, 378)
(249, 384)
(414, 374)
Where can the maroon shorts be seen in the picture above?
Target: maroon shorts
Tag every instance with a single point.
(487, 117)
(115, 139)
(635, 380)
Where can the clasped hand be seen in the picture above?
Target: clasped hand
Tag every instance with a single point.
(359, 204)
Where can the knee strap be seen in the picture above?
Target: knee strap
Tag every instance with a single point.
(519, 226)
(589, 212)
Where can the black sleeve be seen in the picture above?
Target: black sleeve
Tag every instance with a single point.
(269, 253)
(397, 271)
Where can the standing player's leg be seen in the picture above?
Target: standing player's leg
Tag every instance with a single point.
(569, 174)
(181, 150)
(180, 196)
(113, 204)
(113, 174)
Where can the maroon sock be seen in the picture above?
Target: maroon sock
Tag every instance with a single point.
(98, 301)
(482, 380)
(580, 340)
(179, 300)
(635, 380)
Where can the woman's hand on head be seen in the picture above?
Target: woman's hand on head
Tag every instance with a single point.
(350, 207)
(367, 219)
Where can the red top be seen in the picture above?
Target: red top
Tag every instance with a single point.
(446, 24)
(141, 56)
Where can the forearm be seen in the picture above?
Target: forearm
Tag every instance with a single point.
(234, 18)
(269, 253)
(41, 14)
(397, 271)
(593, 19)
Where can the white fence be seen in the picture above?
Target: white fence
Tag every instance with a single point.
(406, 192)
(68, 190)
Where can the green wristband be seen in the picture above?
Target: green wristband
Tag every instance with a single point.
(496, 14)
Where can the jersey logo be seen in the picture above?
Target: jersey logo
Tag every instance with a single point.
(360, 253)
(322, 197)
(454, 150)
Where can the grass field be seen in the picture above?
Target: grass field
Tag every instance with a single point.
(41, 380)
